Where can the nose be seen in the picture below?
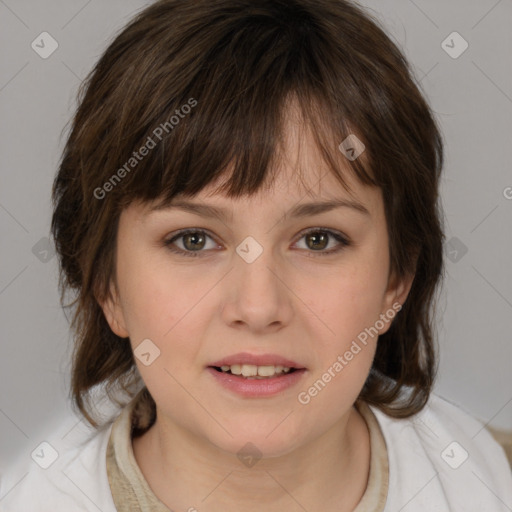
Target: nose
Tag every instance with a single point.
(258, 297)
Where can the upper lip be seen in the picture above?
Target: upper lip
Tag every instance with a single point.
(258, 360)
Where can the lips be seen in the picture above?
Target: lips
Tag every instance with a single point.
(257, 360)
(256, 387)
(256, 375)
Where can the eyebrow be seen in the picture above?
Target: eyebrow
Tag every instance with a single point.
(301, 210)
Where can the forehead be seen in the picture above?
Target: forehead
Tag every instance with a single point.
(298, 174)
(288, 183)
(315, 194)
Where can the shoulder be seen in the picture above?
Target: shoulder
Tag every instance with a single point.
(444, 457)
(61, 476)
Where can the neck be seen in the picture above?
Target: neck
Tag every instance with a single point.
(328, 473)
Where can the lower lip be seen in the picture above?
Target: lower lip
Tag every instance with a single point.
(254, 388)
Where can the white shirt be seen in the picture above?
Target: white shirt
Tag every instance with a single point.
(440, 460)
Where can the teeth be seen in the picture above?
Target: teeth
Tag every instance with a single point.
(253, 371)
(249, 370)
(265, 371)
(236, 369)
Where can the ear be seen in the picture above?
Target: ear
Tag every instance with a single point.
(113, 313)
(396, 294)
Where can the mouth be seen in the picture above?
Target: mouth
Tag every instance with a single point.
(256, 376)
(251, 371)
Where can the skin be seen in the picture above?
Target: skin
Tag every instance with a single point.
(290, 301)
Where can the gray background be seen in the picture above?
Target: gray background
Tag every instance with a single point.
(471, 95)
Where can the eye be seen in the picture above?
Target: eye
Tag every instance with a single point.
(193, 241)
(317, 239)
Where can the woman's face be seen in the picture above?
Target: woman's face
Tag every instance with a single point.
(266, 283)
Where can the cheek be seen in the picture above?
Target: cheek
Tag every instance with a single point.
(161, 308)
(165, 305)
(349, 308)
(148, 305)
(351, 300)
(154, 297)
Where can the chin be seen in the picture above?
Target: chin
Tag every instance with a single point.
(259, 439)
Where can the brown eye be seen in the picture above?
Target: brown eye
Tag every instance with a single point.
(317, 239)
(192, 242)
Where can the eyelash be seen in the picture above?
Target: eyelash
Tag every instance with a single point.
(194, 254)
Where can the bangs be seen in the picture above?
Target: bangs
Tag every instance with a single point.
(243, 157)
(231, 112)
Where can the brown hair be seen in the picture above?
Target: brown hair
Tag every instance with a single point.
(235, 64)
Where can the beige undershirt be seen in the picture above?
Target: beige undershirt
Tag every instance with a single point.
(131, 492)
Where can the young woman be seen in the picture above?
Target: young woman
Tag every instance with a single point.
(247, 209)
